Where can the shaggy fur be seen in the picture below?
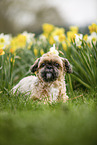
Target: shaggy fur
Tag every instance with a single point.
(48, 84)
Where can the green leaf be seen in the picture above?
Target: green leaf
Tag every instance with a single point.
(82, 82)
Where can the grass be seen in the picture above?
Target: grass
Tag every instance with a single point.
(24, 122)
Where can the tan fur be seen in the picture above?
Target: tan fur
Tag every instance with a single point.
(37, 88)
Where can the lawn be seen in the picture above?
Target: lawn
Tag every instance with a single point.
(24, 121)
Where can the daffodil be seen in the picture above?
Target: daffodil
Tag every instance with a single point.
(85, 37)
(71, 36)
(58, 31)
(62, 38)
(12, 60)
(2, 49)
(47, 28)
(2, 40)
(93, 28)
(21, 40)
(12, 49)
(5, 40)
(41, 51)
(29, 45)
(45, 35)
(74, 29)
(56, 38)
(51, 40)
(18, 42)
(29, 36)
(92, 38)
(14, 45)
(53, 50)
(43, 38)
(35, 51)
(78, 39)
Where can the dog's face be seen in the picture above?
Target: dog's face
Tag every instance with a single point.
(50, 67)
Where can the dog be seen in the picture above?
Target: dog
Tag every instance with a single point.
(49, 82)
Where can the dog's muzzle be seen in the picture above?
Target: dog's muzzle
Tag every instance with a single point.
(49, 75)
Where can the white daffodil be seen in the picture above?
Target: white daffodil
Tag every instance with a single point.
(56, 38)
(5, 40)
(42, 37)
(53, 50)
(92, 37)
(29, 36)
(78, 39)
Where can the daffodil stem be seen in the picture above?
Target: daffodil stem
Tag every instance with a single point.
(2, 65)
(70, 84)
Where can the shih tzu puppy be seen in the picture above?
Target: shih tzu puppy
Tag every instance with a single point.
(49, 82)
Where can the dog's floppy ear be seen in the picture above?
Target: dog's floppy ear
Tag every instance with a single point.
(67, 66)
(34, 67)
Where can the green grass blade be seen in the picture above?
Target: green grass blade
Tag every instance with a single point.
(82, 82)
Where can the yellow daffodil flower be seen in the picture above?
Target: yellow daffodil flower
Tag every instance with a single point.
(51, 40)
(93, 28)
(71, 36)
(21, 40)
(35, 51)
(62, 38)
(74, 29)
(46, 35)
(41, 52)
(85, 37)
(47, 28)
(18, 42)
(1, 49)
(58, 31)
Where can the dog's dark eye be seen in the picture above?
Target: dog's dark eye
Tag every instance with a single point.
(56, 64)
(43, 64)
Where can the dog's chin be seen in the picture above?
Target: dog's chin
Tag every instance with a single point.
(49, 77)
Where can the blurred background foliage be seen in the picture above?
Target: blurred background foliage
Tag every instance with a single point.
(18, 16)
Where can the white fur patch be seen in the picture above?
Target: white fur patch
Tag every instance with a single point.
(26, 85)
(32, 86)
(54, 92)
